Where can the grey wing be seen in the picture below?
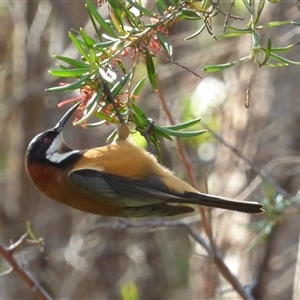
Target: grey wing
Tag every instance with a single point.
(136, 197)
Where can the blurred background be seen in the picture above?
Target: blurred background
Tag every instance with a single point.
(92, 257)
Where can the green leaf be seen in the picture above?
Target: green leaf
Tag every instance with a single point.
(256, 40)
(151, 71)
(259, 11)
(274, 24)
(69, 73)
(78, 45)
(196, 33)
(105, 44)
(120, 84)
(183, 125)
(190, 13)
(215, 68)
(116, 12)
(248, 6)
(272, 65)
(88, 40)
(140, 116)
(106, 27)
(70, 87)
(161, 131)
(139, 87)
(295, 23)
(165, 43)
(121, 65)
(140, 8)
(30, 231)
(284, 60)
(129, 15)
(234, 29)
(185, 133)
(161, 6)
(139, 112)
(96, 124)
(281, 49)
(268, 52)
(232, 34)
(71, 61)
(111, 137)
(95, 25)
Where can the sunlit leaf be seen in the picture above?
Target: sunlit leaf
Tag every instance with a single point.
(111, 137)
(281, 49)
(215, 68)
(274, 24)
(140, 8)
(71, 61)
(107, 28)
(78, 45)
(137, 89)
(88, 40)
(196, 33)
(105, 44)
(70, 87)
(165, 43)
(129, 15)
(284, 60)
(96, 124)
(116, 14)
(120, 84)
(69, 73)
(232, 34)
(161, 6)
(256, 40)
(234, 29)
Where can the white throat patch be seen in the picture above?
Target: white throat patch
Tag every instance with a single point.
(53, 154)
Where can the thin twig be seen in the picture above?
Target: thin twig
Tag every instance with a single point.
(122, 223)
(266, 170)
(216, 255)
(215, 252)
(7, 254)
(254, 167)
(111, 99)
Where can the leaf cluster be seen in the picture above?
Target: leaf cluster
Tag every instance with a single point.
(105, 84)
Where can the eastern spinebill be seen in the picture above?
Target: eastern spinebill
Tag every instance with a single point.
(119, 180)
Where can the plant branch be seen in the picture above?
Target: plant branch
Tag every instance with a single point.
(254, 167)
(7, 254)
(214, 251)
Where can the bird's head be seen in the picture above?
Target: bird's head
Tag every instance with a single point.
(49, 146)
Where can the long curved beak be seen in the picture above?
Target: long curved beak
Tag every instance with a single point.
(62, 122)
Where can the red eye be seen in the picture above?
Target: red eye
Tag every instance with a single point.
(47, 140)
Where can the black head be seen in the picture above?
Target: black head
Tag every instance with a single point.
(49, 146)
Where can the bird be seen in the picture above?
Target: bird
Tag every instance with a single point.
(117, 180)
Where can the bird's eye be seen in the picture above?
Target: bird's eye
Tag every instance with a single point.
(47, 140)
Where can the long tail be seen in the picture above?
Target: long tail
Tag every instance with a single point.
(220, 202)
